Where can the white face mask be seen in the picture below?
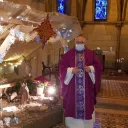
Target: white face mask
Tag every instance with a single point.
(80, 47)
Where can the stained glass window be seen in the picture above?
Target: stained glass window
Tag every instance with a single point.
(61, 6)
(101, 9)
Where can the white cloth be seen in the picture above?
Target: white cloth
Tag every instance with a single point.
(92, 74)
(69, 75)
(93, 116)
(78, 123)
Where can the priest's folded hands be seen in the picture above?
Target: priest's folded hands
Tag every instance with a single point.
(77, 70)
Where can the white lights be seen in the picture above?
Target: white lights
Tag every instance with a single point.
(9, 17)
(5, 86)
(51, 90)
(68, 34)
(5, 46)
(70, 30)
(2, 29)
(21, 36)
(12, 32)
(64, 27)
(68, 40)
(18, 17)
(5, 65)
(1, 18)
(12, 39)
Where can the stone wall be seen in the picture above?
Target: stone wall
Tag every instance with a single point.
(104, 34)
(124, 46)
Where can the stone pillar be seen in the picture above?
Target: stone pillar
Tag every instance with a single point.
(119, 28)
(68, 7)
(80, 6)
(50, 5)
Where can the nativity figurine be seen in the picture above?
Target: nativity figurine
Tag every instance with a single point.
(24, 92)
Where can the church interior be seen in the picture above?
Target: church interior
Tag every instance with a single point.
(32, 38)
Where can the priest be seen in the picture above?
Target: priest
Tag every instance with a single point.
(80, 74)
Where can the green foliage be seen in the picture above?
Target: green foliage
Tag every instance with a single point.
(17, 86)
(31, 85)
(41, 85)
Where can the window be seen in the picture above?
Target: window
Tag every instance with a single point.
(61, 6)
(101, 7)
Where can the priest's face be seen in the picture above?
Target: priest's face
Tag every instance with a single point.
(80, 43)
(80, 40)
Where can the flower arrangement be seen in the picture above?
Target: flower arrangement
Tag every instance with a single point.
(41, 87)
(42, 84)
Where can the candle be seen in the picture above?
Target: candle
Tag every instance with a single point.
(111, 49)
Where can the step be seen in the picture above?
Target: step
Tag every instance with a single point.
(111, 111)
(114, 101)
(112, 106)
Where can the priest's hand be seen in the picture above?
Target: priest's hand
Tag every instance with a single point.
(87, 68)
(75, 70)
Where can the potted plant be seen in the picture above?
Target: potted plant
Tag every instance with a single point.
(40, 87)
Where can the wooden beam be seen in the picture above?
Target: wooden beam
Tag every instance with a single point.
(68, 7)
(124, 10)
(105, 22)
(3, 35)
(119, 28)
(84, 8)
(80, 7)
(118, 10)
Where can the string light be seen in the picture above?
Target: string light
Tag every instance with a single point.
(1, 18)
(66, 24)
(5, 65)
(70, 30)
(9, 17)
(2, 29)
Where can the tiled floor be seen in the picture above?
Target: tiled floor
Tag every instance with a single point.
(112, 106)
(114, 89)
(107, 120)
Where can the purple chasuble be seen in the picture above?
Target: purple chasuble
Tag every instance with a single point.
(79, 96)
